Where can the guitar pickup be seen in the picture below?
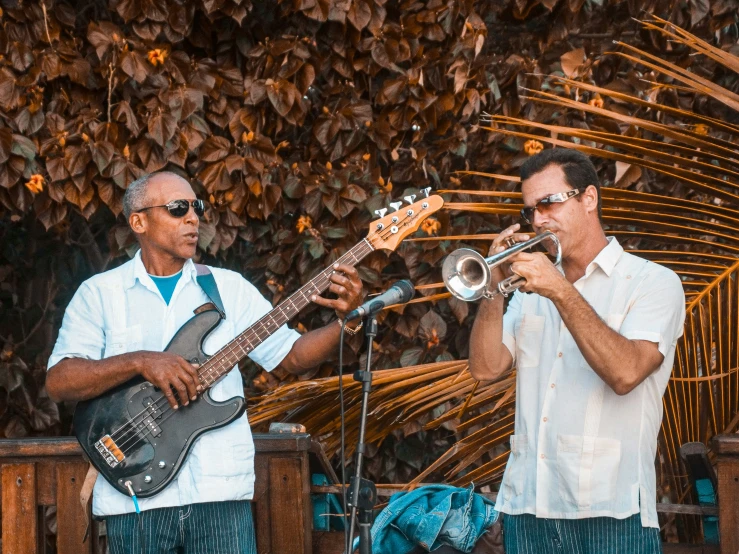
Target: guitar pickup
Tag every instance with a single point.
(151, 426)
(152, 407)
(109, 450)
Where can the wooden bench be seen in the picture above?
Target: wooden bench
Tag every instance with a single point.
(50, 472)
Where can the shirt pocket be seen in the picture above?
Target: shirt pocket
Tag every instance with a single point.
(515, 475)
(217, 456)
(528, 340)
(587, 468)
(122, 340)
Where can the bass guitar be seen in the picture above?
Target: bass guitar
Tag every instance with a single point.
(134, 438)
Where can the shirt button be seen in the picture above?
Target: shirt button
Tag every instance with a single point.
(543, 457)
(544, 420)
(559, 355)
(628, 276)
(552, 385)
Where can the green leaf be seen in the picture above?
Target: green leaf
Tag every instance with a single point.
(411, 356)
(23, 146)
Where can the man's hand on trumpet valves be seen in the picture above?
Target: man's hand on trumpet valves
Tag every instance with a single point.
(507, 238)
(542, 276)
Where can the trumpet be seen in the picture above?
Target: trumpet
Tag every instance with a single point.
(467, 274)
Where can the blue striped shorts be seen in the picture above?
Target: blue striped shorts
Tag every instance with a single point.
(207, 528)
(527, 534)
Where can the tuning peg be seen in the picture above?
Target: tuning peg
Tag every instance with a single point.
(426, 191)
(381, 212)
(410, 198)
(396, 205)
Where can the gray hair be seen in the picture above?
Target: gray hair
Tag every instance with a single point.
(135, 196)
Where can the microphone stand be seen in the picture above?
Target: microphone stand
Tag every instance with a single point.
(362, 492)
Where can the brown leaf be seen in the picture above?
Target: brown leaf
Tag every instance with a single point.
(214, 149)
(129, 9)
(571, 61)
(76, 159)
(101, 36)
(123, 112)
(698, 10)
(215, 177)
(432, 323)
(6, 144)
(53, 215)
(111, 195)
(133, 65)
(162, 127)
(359, 14)
(305, 77)
(282, 94)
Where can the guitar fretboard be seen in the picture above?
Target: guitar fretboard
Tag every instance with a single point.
(223, 361)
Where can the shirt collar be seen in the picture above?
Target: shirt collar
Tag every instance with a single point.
(606, 258)
(139, 273)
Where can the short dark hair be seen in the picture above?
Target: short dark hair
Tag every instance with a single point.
(578, 169)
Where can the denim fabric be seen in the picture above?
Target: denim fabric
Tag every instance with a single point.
(430, 517)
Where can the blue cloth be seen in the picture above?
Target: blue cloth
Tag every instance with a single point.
(166, 285)
(430, 517)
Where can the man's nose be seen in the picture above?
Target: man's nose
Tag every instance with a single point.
(191, 217)
(540, 219)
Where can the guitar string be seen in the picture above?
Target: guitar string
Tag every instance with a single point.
(321, 283)
(136, 426)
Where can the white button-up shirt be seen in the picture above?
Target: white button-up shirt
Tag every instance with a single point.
(579, 449)
(122, 311)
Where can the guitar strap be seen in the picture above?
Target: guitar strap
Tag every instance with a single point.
(208, 283)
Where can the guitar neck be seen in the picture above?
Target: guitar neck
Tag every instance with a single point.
(223, 361)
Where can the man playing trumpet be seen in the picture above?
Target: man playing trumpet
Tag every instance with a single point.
(593, 342)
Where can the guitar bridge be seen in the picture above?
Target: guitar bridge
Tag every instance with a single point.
(109, 451)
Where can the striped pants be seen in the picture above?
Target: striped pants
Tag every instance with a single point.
(207, 528)
(527, 534)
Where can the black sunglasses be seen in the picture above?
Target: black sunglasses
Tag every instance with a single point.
(179, 208)
(527, 214)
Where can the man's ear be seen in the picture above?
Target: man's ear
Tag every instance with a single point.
(590, 195)
(138, 222)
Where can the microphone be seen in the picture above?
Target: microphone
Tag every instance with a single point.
(400, 293)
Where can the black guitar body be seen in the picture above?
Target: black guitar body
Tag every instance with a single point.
(131, 434)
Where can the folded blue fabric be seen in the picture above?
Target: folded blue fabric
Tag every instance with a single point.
(430, 517)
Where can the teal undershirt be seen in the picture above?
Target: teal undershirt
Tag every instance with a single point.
(166, 285)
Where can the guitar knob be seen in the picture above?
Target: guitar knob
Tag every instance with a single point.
(381, 212)
(426, 191)
(162, 464)
(410, 198)
(396, 205)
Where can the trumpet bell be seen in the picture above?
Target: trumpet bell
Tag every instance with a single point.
(466, 274)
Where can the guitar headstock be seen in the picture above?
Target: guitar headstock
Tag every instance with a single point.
(387, 232)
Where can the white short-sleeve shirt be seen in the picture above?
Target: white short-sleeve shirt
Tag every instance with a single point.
(122, 311)
(579, 449)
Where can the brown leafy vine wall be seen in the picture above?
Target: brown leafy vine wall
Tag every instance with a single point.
(296, 120)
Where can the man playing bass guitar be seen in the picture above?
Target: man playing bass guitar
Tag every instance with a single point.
(115, 329)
